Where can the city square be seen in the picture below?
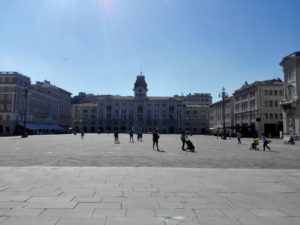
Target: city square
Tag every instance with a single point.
(63, 179)
(161, 112)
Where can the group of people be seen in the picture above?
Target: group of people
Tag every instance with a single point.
(265, 141)
(155, 138)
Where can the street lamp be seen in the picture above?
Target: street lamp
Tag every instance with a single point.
(24, 135)
(224, 96)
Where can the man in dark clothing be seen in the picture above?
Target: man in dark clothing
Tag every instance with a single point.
(265, 142)
(131, 136)
(183, 139)
(116, 135)
(155, 139)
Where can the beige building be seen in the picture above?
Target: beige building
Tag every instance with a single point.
(197, 118)
(107, 113)
(12, 101)
(291, 101)
(216, 117)
(50, 104)
(42, 107)
(257, 108)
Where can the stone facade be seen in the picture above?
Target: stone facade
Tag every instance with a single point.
(48, 108)
(216, 117)
(12, 101)
(257, 108)
(107, 113)
(291, 101)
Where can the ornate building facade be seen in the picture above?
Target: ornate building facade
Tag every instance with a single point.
(257, 108)
(107, 113)
(40, 107)
(291, 101)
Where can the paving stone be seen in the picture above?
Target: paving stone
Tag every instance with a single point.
(23, 212)
(52, 205)
(3, 211)
(268, 213)
(109, 212)
(140, 212)
(12, 205)
(3, 218)
(170, 205)
(134, 221)
(101, 205)
(29, 220)
(67, 213)
(81, 221)
(140, 203)
(217, 220)
(14, 198)
(178, 213)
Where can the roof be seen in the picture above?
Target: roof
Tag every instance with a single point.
(140, 82)
(13, 73)
(293, 55)
(162, 98)
(259, 83)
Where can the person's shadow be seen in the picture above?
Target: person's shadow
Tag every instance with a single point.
(159, 150)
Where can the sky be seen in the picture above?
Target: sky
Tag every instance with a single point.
(181, 46)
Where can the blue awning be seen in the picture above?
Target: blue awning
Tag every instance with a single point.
(41, 126)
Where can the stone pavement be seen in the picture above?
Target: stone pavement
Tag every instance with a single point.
(99, 150)
(148, 196)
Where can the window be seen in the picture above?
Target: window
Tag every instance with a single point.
(275, 93)
(276, 116)
(266, 103)
(270, 103)
(280, 93)
(271, 116)
(266, 92)
(280, 116)
(276, 104)
(266, 116)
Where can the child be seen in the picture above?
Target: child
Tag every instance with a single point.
(254, 144)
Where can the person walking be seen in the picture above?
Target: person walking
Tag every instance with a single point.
(239, 135)
(183, 139)
(265, 142)
(116, 135)
(131, 136)
(82, 134)
(155, 139)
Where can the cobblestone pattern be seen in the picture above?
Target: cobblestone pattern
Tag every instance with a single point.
(148, 196)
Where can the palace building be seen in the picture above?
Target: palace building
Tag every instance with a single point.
(140, 112)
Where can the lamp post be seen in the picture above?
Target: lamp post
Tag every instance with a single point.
(24, 135)
(224, 96)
